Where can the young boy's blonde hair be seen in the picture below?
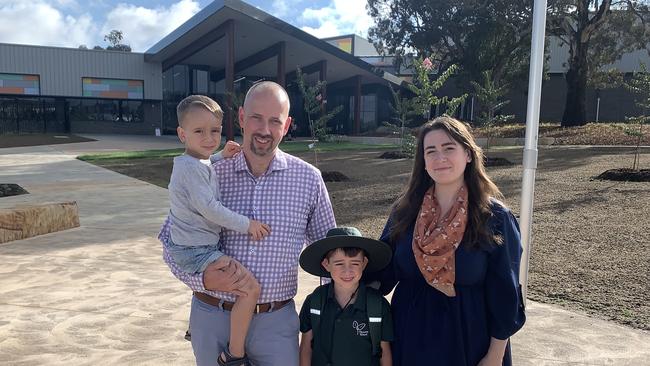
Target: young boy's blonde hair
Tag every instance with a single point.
(197, 101)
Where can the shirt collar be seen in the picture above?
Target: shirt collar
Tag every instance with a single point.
(279, 162)
(359, 302)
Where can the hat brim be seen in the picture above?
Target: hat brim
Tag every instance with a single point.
(379, 253)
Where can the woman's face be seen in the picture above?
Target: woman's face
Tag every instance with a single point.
(444, 158)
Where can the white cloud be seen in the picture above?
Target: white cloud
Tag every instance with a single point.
(339, 17)
(143, 27)
(280, 8)
(38, 22)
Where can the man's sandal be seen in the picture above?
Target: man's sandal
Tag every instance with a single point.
(226, 359)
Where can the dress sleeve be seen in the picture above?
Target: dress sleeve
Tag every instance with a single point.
(305, 315)
(386, 276)
(505, 304)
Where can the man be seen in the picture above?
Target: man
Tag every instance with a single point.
(265, 184)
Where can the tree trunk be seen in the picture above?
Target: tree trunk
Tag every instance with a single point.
(575, 110)
(575, 113)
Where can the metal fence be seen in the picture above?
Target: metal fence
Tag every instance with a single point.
(27, 115)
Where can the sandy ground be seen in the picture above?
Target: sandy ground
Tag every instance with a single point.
(591, 238)
(100, 294)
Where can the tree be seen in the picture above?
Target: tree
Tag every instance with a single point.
(314, 105)
(476, 36)
(639, 85)
(404, 109)
(491, 95)
(114, 38)
(597, 33)
(425, 89)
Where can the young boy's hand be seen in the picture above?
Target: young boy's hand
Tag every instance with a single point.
(258, 230)
(230, 149)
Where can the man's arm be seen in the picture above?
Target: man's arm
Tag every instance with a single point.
(226, 276)
(321, 219)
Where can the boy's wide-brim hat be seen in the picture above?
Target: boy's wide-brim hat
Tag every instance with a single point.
(378, 252)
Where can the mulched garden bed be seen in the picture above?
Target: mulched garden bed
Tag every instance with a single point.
(11, 189)
(627, 175)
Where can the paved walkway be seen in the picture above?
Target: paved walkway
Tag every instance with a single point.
(100, 294)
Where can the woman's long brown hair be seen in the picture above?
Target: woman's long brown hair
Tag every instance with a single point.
(479, 186)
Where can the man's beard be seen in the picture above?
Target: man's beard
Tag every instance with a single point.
(262, 151)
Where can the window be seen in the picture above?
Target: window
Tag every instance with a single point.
(106, 110)
(368, 112)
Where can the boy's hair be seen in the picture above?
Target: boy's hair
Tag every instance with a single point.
(348, 251)
(200, 101)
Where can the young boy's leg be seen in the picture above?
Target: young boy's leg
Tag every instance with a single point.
(240, 318)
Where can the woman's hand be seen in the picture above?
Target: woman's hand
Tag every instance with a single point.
(491, 360)
(494, 356)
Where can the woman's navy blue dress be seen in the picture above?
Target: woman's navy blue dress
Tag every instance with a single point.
(433, 329)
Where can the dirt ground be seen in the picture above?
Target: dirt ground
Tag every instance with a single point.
(591, 238)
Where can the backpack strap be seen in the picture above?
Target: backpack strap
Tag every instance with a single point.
(316, 305)
(374, 302)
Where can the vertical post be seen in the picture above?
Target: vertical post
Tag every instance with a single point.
(597, 108)
(357, 106)
(471, 114)
(280, 73)
(230, 78)
(532, 129)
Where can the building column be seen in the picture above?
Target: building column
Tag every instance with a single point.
(357, 105)
(282, 60)
(229, 79)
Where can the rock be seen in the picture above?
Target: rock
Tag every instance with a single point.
(23, 222)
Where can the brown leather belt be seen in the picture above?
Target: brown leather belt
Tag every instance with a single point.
(227, 305)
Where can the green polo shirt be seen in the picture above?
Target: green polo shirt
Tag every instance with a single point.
(345, 337)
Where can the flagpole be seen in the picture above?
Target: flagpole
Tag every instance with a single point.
(532, 129)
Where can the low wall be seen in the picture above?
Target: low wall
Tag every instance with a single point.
(26, 221)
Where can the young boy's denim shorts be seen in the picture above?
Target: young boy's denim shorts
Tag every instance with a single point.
(193, 259)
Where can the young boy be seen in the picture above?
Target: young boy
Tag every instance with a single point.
(198, 216)
(344, 322)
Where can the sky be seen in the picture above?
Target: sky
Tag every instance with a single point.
(70, 23)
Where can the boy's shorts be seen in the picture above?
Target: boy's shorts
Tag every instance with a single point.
(193, 259)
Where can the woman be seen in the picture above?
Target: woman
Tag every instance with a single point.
(456, 257)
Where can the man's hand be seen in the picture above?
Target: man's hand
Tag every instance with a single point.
(226, 275)
(230, 149)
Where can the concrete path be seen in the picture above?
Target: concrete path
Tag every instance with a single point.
(100, 294)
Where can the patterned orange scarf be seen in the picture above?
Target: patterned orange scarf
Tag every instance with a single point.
(435, 240)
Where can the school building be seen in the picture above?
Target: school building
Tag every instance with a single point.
(220, 52)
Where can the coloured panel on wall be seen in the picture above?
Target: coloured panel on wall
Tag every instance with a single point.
(345, 44)
(20, 84)
(113, 88)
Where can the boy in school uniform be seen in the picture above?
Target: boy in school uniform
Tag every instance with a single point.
(344, 322)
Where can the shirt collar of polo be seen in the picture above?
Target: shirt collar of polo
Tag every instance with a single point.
(279, 162)
(359, 302)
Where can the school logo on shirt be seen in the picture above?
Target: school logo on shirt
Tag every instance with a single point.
(359, 327)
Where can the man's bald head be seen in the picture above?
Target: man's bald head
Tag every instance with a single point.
(267, 87)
